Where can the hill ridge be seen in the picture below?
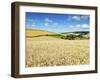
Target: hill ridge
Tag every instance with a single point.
(36, 32)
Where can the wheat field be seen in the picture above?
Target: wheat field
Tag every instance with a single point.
(49, 51)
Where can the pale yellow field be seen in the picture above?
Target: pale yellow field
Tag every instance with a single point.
(33, 33)
(50, 51)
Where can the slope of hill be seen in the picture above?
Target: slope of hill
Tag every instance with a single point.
(35, 33)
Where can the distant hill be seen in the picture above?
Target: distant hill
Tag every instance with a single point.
(77, 32)
(76, 35)
(36, 33)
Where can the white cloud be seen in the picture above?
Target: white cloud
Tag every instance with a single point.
(48, 20)
(33, 25)
(85, 26)
(29, 20)
(46, 24)
(50, 23)
(82, 26)
(76, 18)
(80, 17)
(84, 17)
(75, 26)
(79, 27)
(69, 18)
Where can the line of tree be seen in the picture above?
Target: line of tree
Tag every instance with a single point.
(70, 36)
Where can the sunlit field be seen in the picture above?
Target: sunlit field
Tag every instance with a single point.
(49, 51)
(57, 39)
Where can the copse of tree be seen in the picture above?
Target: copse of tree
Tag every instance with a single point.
(70, 37)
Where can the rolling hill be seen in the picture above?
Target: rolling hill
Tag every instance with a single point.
(30, 33)
(36, 33)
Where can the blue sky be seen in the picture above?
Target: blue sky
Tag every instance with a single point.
(58, 23)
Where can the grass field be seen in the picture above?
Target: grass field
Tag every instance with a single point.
(49, 51)
(34, 33)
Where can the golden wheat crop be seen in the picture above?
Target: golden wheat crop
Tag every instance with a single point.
(49, 51)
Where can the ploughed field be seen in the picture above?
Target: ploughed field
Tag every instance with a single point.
(50, 51)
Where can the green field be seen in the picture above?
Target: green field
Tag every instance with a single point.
(51, 51)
